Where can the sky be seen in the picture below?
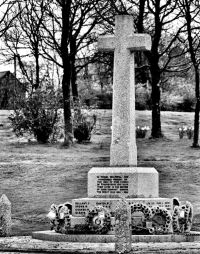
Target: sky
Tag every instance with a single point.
(9, 67)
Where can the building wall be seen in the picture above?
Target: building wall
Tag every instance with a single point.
(11, 90)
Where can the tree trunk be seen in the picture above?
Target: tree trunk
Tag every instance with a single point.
(37, 70)
(73, 80)
(194, 57)
(66, 5)
(154, 58)
(197, 108)
(76, 102)
(156, 131)
(67, 106)
(140, 22)
(73, 51)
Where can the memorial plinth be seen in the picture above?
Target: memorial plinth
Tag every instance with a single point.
(135, 182)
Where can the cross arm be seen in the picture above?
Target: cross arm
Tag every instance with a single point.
(139, 42)
(106, 43)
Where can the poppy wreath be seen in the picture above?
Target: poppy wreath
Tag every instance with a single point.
(188, 216)
(98, 220)
(146, 210)
(165, 214)
(182, 218)
(175, 220)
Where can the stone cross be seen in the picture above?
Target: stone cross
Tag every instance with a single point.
(123, 151)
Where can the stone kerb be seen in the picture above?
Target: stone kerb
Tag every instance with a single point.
(5, 216)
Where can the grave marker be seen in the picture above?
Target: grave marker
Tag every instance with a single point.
(122, 227)
(5, 216)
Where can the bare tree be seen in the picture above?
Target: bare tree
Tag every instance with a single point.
(68, 31)
(157, 18)
(31, 16)
(82, 21)
(191, 15)
(24, 38)
(8, 15)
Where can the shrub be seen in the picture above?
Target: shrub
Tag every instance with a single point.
(104, 100)
(37, 115)
(142, 97)
(83, 124)
(188, 103)
(170, 101)
(179, 96)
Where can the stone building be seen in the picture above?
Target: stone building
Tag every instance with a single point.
(11, 89)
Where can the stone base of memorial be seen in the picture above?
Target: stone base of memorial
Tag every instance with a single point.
(93, 219)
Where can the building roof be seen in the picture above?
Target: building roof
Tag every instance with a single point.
(9, 75)
(3, 73)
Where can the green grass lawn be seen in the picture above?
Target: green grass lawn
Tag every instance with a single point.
(34, 176)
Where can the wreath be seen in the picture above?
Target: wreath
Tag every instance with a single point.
(60, 217)
(175, 220)
(161, 220)
(188, 216)
(146, 210)
(98, 220)
(182, 218)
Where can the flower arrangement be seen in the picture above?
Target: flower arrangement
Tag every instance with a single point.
(141, 131)
(182, 218)
(186, 130)
(60, 217)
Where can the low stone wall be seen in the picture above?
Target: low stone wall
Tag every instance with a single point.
(27, 245)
